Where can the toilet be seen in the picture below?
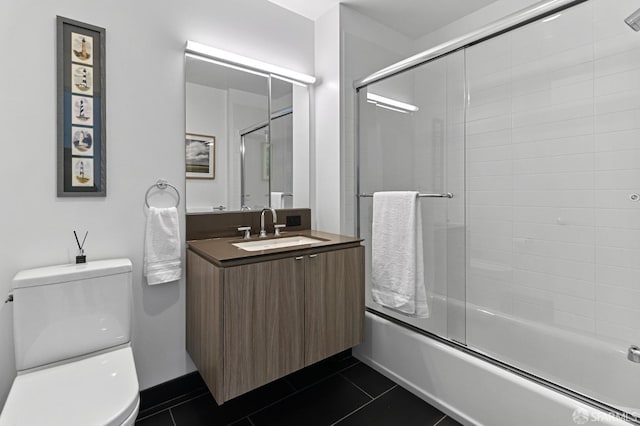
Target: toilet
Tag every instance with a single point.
(72, 335)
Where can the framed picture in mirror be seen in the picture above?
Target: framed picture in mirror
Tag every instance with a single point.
(200, 156)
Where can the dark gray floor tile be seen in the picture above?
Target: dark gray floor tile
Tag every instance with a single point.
(242, 422)
(319, 405)
(368, 379)
(311, 375)
(161, 397)
(322, 369)
(396, 407)
(448, 421)
(205, 411)
(159, 419)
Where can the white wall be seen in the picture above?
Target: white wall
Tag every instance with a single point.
(327, 117)
(206, 114)
(471, 22)
(145, 132)
(367, 46)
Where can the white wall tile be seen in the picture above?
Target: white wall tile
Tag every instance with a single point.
(490, 168)
(491, 124)
(554, 113)
(618, 218)
(493, 153)
(624, 258)
(617, 140)
(618, 199)
(554, 216)
(561, 285)
(583, 271)
(620, 101)
(561, 233)
(614, 179)
(616, 315)
(576, 90)
(623, 42)
(618, 160)
(616, 82)
(616, 276)
(618, 296)
(554, 181)
(478, 214)
(622, 62)
(490, 198)
(483, 140)
(563, 129)
(616, 237)
(560, 250)
(554, 198)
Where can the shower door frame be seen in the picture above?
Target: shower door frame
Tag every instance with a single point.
(519, 19)
(244, 132)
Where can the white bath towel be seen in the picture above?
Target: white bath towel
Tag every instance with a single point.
(162, 246)
(397, 277)
(277, 200)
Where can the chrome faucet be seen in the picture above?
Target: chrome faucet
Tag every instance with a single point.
(274, 216)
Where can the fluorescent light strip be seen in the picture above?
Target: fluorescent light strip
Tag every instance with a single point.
(225, 64)
(389, 103)
(232, 58)
(403, 111)
(551, 18)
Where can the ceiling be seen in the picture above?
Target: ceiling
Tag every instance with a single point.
(413, 18)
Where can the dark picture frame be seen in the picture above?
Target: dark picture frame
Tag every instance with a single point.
(200, 156)
(81, 80)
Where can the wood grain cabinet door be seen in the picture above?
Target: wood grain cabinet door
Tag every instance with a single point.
(263, 323)
(334, 302)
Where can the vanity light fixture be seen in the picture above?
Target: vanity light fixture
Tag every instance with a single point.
(229, 58)
(391, 104)
(225, 64)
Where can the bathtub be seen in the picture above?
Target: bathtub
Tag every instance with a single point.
(475, 391)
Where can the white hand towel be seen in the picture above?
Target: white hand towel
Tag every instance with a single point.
(397, 277)
(162, 246)
(277, 200)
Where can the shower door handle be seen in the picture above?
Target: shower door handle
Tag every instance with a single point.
(634, 354)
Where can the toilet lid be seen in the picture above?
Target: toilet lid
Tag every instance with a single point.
(99, 390)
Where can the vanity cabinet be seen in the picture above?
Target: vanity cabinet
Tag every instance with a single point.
(334, 302)
(263, 323)
(253, 323)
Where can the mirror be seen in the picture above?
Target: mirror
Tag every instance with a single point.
(252, 129)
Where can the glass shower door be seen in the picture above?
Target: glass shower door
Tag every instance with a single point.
(412, 139)
(552, 159)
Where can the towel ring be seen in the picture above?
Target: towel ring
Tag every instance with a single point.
(161, 184)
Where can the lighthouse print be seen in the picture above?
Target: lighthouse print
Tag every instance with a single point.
(81, 48)
(82, 169)
(82, 79)
(81, 110)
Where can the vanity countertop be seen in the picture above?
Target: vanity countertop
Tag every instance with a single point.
(222, 252)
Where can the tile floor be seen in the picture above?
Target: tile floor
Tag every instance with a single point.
(338, 391)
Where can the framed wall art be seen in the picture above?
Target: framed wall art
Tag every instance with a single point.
(81, 142)
(200, 155)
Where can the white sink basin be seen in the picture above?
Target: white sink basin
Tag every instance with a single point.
(275, 243)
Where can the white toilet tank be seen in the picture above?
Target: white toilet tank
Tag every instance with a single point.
(65, 311)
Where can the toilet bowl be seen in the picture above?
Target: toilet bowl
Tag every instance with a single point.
(72, 328)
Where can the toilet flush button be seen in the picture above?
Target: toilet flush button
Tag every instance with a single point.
(634, 197)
